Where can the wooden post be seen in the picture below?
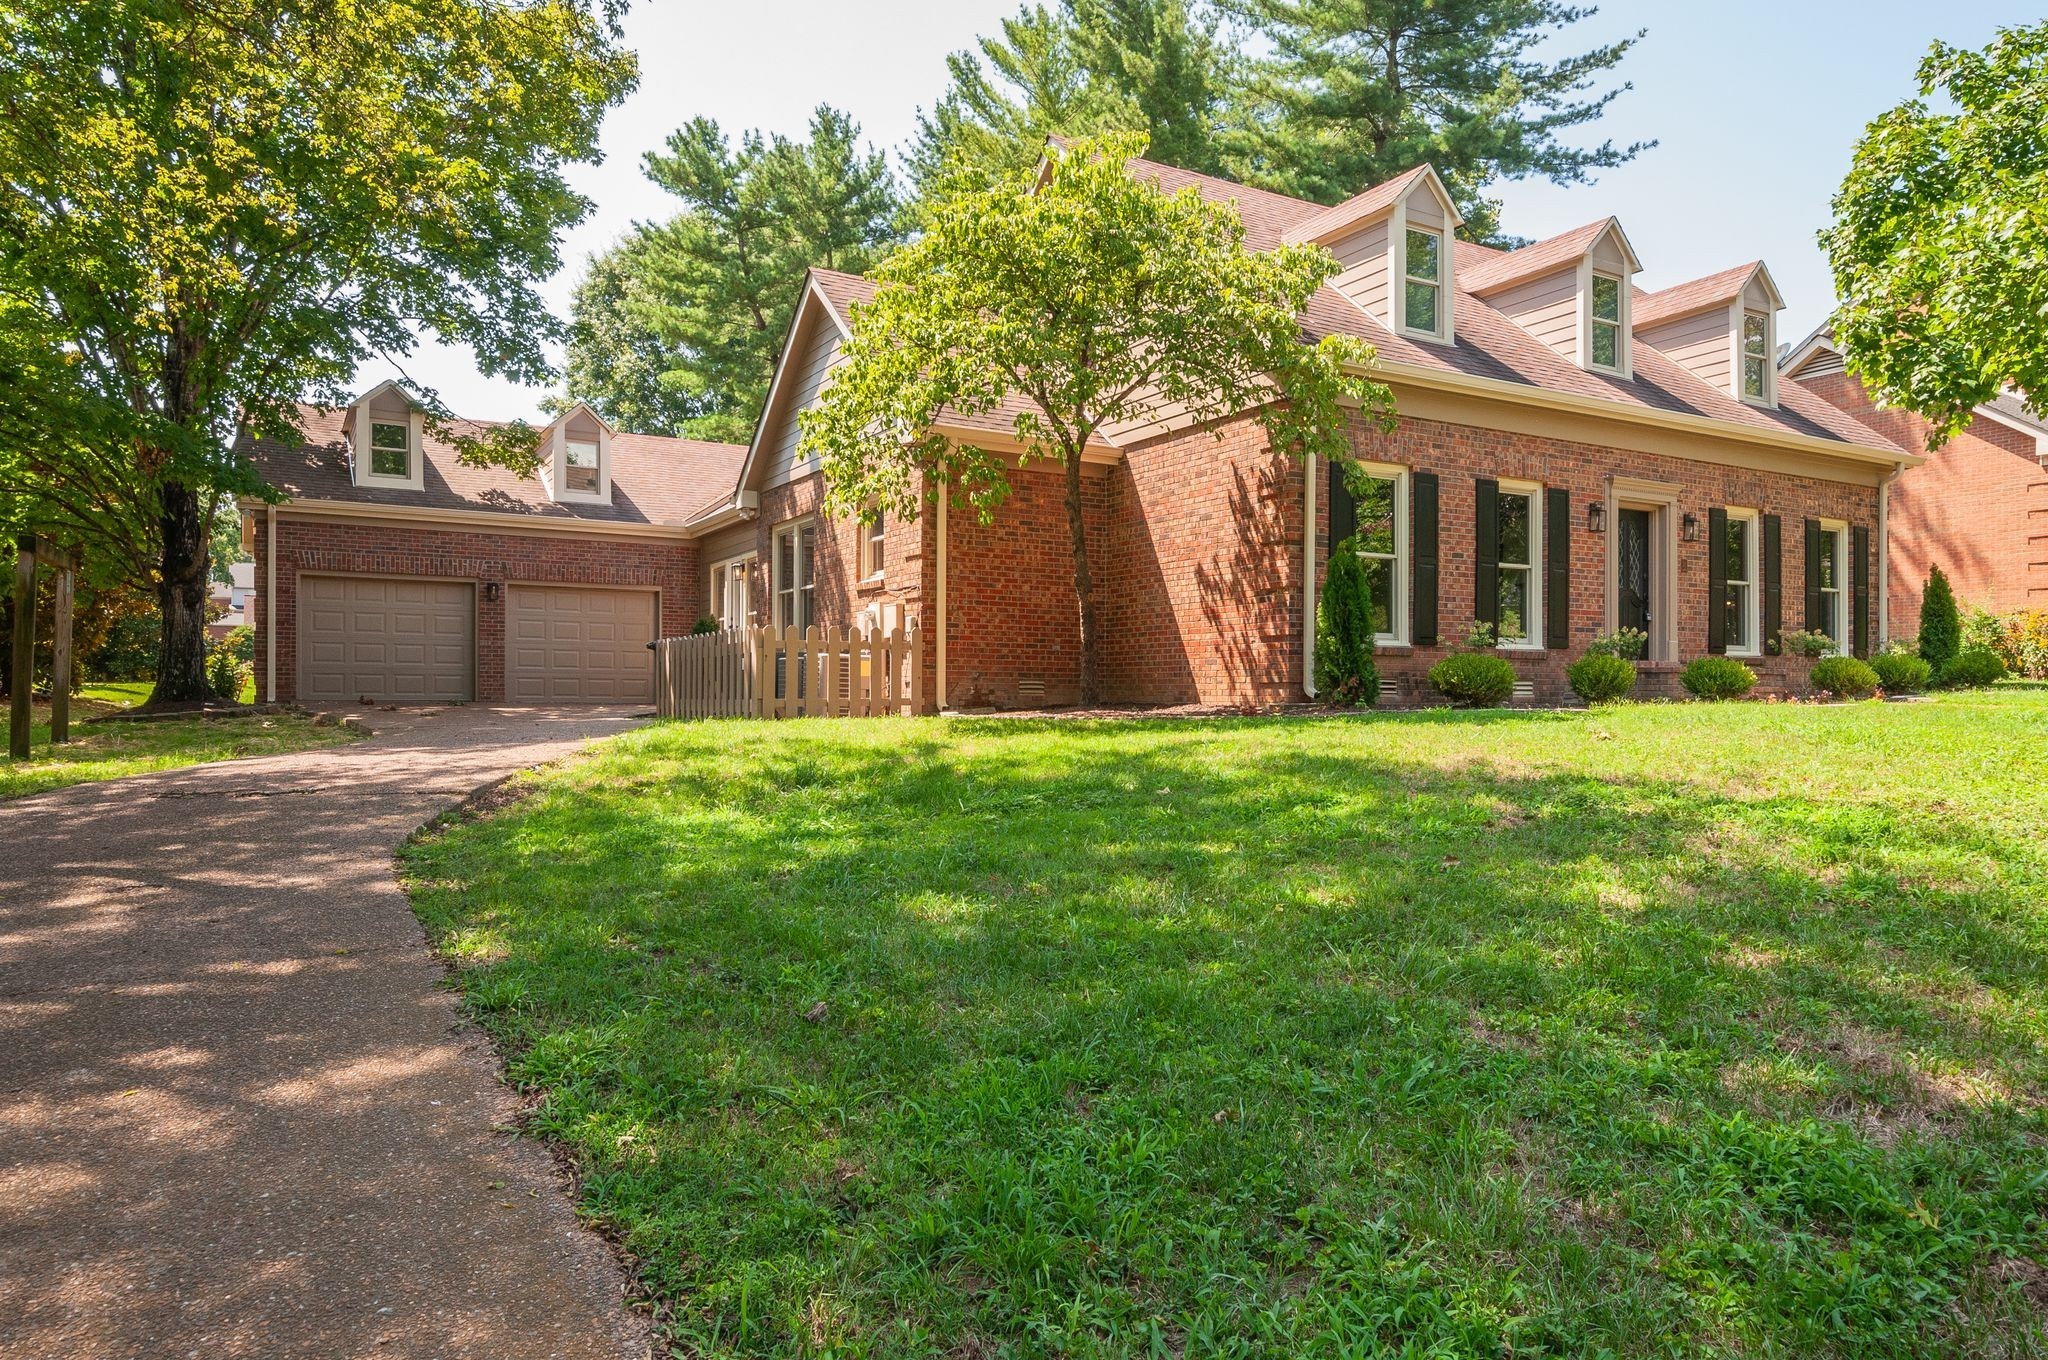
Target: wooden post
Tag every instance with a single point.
(24, 675)
(60, 663)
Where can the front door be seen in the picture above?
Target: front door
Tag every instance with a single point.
(1632, 570)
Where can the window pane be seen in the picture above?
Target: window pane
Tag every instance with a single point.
(391, 450)
(1514, 604)
(1422, 254)
(1754, 333)
(1422, 306)
(1606, 345)
(1827, 562)
(1514, 530)
(1376, 515)
(1736, 562)
(1606, 298)
(1736, 617)
(1379, 592)
(1753, 376)
(581, 454)
(384, 436)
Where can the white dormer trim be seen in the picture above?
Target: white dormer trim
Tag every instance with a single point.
(1624, 368)
(1446, 331)
(1738, 313)
(359, 422)
(554, 463)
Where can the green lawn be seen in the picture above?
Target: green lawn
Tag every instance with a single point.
(111, 750)
(1661, 1030)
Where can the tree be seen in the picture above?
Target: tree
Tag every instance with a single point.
(1941, 624)
(718, 284)
(1345, 673)
(1092, 298)
(1085, 68)
(1357, 91)
(215, 210)
(623, 368)
(1940, 247)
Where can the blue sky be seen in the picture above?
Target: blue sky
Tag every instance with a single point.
(1755, 108)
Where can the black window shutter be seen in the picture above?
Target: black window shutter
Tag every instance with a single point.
(1859, 568)
(1422, 539)
(1774, 580)
(1557, 568)
(1813, 618)
(1343, 507)
(1717, 580)
(1486, 537)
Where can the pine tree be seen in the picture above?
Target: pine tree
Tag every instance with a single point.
(1345, 672)
(618, 365)
(1941, 624)
(1357, 91)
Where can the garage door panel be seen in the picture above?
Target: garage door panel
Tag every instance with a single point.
(579, 645)
(390, 640)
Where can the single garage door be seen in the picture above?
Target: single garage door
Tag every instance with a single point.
(578, 645)
(391, 640)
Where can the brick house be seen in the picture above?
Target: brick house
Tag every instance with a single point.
(1977, 508)
(1573, 455)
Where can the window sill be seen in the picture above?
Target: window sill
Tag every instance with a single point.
(1391, 648)
(868, 585)
(1521, 648)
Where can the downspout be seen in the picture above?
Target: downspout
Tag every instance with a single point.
(268, 602)
(945, 495)
(1884, 555)
(1308, 576)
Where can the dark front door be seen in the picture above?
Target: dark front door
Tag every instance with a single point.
(1632, 569)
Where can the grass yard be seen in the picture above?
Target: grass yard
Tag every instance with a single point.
(111, 750)
(1660, 1030)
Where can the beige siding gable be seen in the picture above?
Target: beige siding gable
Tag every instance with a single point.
(1547, 308)
(814, 355)
(1702, 343)
(1608, 258)
(1363, 257)
(1757, 295)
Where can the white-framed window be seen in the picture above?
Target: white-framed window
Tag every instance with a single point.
(796, 574)
(1756, 357)
(1834, 583)
(732, 597)
(1422, 294)
(1740, 615)
(391, 448)
(579, 465)
(1519, 522)
(1606, 338)
(873, 544)
(1380, 496)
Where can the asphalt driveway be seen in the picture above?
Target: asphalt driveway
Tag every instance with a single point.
(239, 1116)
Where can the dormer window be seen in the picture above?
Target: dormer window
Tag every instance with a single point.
(391, 449)
(1606, 338)
(579, 465)
(576, 457)
(1422, 298)
(1756, 357)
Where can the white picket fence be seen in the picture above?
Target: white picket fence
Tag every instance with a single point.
(790, 673)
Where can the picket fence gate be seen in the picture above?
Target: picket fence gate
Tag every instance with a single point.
(789, 673)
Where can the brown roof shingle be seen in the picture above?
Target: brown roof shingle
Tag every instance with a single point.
(1683, 299)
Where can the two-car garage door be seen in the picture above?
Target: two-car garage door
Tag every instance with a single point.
(414, 641)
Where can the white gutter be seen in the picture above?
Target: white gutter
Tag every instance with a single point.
(269, 601)
(1308, 576)
(945, 495)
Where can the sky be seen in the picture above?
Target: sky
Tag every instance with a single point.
(1755, 108)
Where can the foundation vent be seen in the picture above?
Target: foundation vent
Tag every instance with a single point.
(1525, 691)
(1390, 690)
(1031, 691)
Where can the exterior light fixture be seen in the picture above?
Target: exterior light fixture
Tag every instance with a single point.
(1596, 517)
(1690, 526)
(491, 590)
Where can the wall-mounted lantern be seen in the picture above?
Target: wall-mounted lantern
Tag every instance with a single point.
(1690, 527)
(1596, 516)
(491, 591)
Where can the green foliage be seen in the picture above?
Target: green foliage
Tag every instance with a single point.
(213, 211)
(116, 750)
(714, 288)
(1602, 677)
(1717, 677)
(1345, 672)
(1630, 644)
(619, 364)
(1939, 248)
(1473, 679)
(1090, 298)
(1352, 94)
(1805, 642)
(126, 649)
(224, 546)
(1083, 68)
(2020, 639)
(704, 624)
(1971, 668)
(1941, 628)
(225, 673)
(240, 643)
(1845, 677)
(1900, 672)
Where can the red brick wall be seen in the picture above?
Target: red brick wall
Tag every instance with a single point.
(841, 592)
(1977, 508)
(382, 548)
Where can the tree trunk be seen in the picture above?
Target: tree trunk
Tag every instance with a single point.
(181, 653)
(1084, 582)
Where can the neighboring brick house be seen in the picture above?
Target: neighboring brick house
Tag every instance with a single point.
(1572, 455)
(1977, 508)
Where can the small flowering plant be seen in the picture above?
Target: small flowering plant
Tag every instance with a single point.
(1806, 642)
(1630, 644)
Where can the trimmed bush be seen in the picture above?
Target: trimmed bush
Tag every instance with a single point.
(1806, 642)
(704, 624)
(1345, 673)
(1602, 678)
(224, 674)
(1901, 672)
(1844, 677)
(1717, 677)
(1941, 627)
(1474, 679)
(1630, 644)
(1973, 668)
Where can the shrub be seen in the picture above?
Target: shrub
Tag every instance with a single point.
(1481, 636)
(705, 624)
(1973, 668)
(1844, 677)
(1717, 677)
(1630, 644)
(1345, 673)
(1901, 672)
(1941, 630)
(1474, 679)
(1602, 677)
(2020, 639)
(241, 644)
(224, 674)
(1807, 642)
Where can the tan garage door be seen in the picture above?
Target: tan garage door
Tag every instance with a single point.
(577, 645)
(395, 641)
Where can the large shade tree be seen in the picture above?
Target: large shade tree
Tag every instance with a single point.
(1940, 242)
(1090, 298)
(213, 210)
